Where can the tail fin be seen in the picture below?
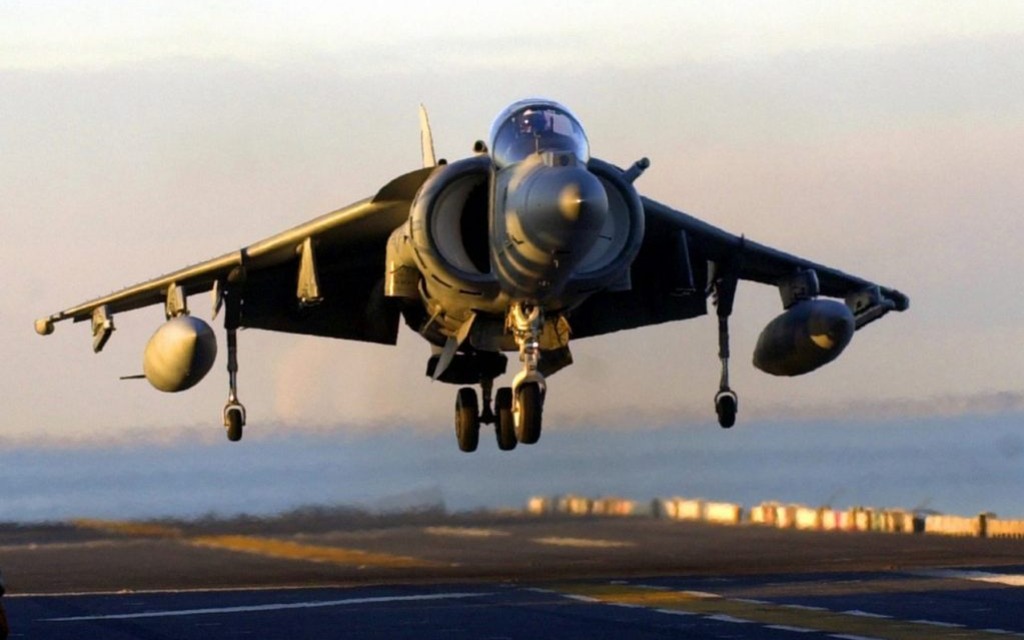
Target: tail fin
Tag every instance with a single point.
(426, 139)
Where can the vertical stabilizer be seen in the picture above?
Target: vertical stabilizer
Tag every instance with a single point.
(426, 139)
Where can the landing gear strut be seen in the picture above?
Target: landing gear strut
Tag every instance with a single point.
(528, 387)
(726, 400)
(234, 412)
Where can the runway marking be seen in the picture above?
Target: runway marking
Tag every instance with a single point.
(725, 618)
(782, 627)
(139, 529)
(270, 607)
(936, 623)
(583, 543)
(273, 548)
(846, 625)
(865, 614)
(268, 547)
(1009, 579)
(466, 532)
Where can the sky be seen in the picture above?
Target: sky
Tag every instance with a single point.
(884, 139)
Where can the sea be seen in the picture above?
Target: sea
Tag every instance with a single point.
(961, 465)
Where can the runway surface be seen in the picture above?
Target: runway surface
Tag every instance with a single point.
(493, 576)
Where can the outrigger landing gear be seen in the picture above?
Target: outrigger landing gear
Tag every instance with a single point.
(726, 400)
(234, 412)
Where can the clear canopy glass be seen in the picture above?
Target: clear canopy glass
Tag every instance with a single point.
(536, 126)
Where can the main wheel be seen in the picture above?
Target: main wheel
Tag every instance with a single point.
(235, 424)
(505, 426)
(529, 405)
(467, 419)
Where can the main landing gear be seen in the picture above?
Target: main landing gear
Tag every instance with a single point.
(517, 410)
(516, 415)
(468, 417)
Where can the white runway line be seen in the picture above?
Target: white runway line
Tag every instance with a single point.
(936, 623)
(783, 627)
(865, 614)
(1009, 579)
(466, 532)
(270, 607)
(583, 543)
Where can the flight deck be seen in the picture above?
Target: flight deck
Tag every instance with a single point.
(486, 575)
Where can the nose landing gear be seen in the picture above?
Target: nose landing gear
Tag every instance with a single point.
(529, 386)
(517, 410)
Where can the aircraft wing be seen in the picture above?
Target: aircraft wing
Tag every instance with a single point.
(346, 249)
(760, 263)
(671, 274)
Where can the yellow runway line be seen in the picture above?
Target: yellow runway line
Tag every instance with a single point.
(847, 624)
(273, 548)
(269, 547)
(138, 529)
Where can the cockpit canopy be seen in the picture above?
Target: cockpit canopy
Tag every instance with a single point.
(536, 126)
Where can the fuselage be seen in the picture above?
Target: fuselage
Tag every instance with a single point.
(535, 221)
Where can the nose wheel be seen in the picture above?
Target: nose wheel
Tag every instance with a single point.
(529, 406)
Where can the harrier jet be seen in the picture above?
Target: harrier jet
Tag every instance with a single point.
(522, 247)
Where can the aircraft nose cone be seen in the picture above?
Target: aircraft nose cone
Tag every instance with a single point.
(583, 201)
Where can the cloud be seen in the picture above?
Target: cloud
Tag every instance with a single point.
(465, 35)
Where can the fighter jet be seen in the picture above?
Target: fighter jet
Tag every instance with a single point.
(521, 247)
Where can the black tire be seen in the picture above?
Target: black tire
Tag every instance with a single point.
(467, 419)
(235, 425)
(531, 404)
(505, 425)
(726, 405)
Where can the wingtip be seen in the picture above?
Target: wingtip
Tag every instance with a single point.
(901, 300)
(44, 326)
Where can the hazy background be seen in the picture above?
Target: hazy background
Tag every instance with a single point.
(886, 139)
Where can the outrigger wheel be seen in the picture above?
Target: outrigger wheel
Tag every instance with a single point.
(726, 405)
(234, 421)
